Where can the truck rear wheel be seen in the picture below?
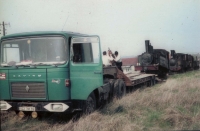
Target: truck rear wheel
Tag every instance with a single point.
(119, 88)
(90, 104)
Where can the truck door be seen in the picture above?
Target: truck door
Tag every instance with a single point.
(85, 66)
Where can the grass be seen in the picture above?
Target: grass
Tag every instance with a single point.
(171, 105)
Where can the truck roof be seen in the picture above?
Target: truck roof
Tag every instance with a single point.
(36, 33)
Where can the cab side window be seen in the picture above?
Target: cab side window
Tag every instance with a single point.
(85, 53)
(77, 53)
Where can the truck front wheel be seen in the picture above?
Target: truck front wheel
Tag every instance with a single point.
(90, 104)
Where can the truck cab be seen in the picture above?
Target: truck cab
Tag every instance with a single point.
(49, 71)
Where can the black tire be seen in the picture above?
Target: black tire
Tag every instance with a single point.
(90, 104)
(111, 94)
(153, 81)
(119, 88)
(16, 112)
(111, 81)
(182, 70)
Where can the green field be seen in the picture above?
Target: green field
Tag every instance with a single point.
(170, 105)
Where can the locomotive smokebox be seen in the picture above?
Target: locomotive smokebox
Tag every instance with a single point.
(147, 45)
(172, 53)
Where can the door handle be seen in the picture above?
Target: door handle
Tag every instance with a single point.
(97, 72)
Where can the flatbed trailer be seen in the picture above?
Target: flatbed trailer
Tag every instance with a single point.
(131, 79)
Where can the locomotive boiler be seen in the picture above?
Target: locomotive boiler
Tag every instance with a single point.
(154, 61)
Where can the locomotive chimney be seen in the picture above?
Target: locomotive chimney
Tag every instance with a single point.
(147, 46)
(150, 48)
(172, 53)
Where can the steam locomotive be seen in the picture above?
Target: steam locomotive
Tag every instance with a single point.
(182, 62)
(196, 64)
(155, 61)
(190, 62)
(178, 62)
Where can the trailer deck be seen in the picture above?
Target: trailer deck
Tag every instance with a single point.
(130, 79)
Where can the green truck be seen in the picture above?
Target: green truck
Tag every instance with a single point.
(58, 72)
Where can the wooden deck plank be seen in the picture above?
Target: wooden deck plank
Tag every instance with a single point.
(140, 76)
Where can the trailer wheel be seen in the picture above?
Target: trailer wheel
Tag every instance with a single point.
(90, 104)
(152, 81)
(119, 88)
(111, 94)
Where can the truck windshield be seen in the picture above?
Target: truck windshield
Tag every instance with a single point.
(34, 51)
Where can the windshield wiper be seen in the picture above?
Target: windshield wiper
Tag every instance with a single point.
(26, 65)
(52, 64)
(40, 64)
(56, 65)
(6, 66)
(22, 65)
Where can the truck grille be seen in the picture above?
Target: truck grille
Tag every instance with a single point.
(28, 90)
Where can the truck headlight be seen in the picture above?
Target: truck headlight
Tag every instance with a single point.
(56, 107)
(4, 105)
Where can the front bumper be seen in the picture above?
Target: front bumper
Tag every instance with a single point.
(37, 106)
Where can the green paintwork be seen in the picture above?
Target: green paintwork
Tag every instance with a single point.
(27, 75)
(58, 91)
(4, 87)
(84, 79)
(42, 33)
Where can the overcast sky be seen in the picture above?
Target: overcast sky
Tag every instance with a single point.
(122, 25)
